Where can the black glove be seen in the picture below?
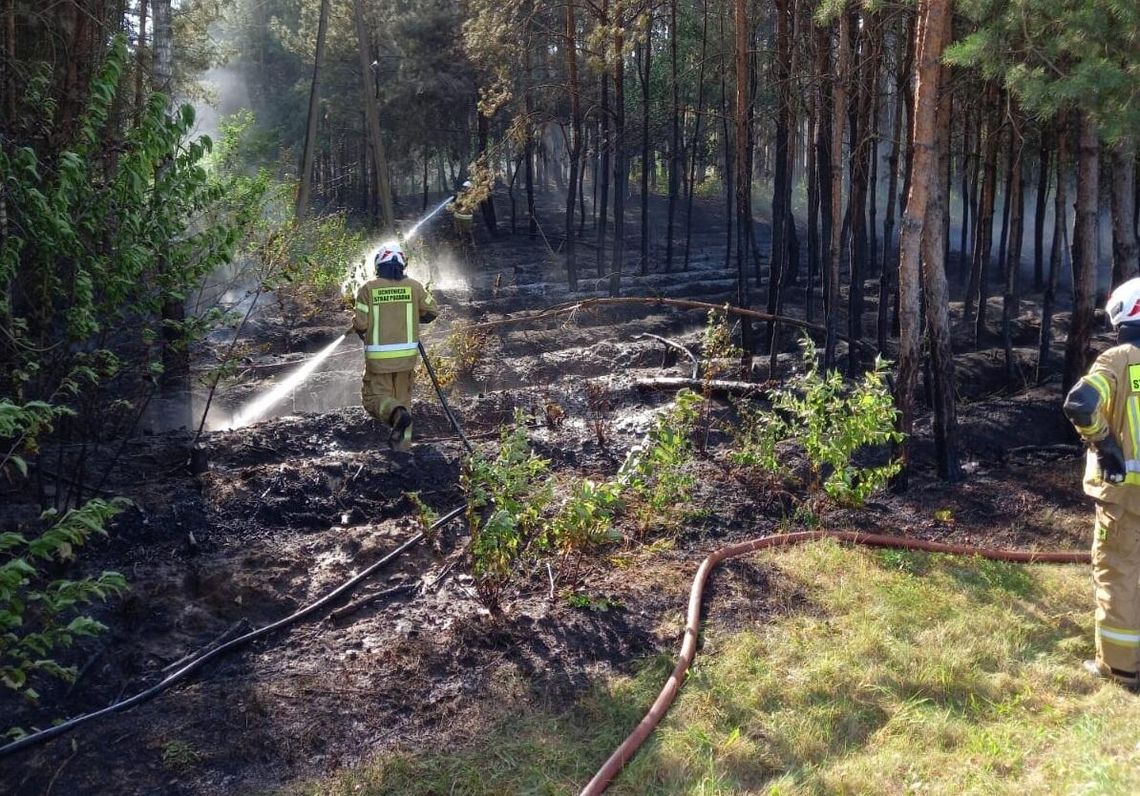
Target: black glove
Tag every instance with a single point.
(1110, 459)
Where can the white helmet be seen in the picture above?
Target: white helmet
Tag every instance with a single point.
(390, 252)
(1124, 304)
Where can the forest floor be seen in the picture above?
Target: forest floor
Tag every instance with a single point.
(294, 505)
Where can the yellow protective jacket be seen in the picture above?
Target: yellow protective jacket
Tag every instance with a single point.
(1115, 378)
(388, 317)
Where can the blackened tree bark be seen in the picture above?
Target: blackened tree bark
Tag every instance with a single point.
(571, 44)
(1077, 355)
(888, 269)
(695, 156)
(621, 172)
(974, 312)
(1124, 247)
(1057, 254)
(781, 185)
(1043, 154)
(647, 163)
(932, 31)
(1010, 298)
(743, 178)
(676, 154)
(835, 250)
(305, 191)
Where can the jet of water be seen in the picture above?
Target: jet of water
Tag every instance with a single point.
(256, 409)
(416, 227)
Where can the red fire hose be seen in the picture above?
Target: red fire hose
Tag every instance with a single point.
(630, 745)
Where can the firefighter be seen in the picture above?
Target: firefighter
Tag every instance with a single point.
(1105, 408)
(389, 311)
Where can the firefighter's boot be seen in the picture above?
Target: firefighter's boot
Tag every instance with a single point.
(400, 437)
(1102, 671)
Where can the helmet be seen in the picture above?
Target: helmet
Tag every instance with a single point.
(390, 253)
(1123, 305)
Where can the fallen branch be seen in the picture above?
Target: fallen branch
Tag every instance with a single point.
(674, 344)
(570, 307)
(715, 387)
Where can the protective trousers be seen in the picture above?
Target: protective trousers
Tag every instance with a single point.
(1116, 580)
(381, 393)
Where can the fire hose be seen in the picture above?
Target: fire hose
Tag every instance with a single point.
(202, 658)
(628, 748)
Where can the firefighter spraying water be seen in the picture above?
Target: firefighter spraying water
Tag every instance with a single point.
(403, 303)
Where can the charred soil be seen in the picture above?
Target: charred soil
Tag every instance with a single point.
(294, 505)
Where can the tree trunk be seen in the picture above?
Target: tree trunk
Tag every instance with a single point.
(140, 54)
(604, 144)
(932, 32)
(575, 142)
(1056, 256)
(835, 251)
(646, 159)
(1010, 299)
(621, 174)
(822, 143)
(782, 186)
(888, 269)
(743, 178)
(936, 291)
(977, 293)
(1077, 355)
(676, 155)
(487, 206)
(379, 158)
(696, 157)
(868, 68)
(1039, 213)
(305, 192)
(1124, 246)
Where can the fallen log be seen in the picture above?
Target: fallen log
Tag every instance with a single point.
(717, 388)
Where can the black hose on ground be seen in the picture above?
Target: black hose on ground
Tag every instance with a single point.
(201, 659)
(443, 399)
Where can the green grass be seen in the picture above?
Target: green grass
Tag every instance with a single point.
(904, 673)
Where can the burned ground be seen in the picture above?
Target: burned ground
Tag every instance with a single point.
(294, 505)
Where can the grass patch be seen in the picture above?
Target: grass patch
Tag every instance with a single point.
(912, 673)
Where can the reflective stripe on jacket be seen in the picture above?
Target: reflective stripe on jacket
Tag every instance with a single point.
(388, 316)
(1116, 378)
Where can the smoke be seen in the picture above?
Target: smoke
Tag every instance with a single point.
(226, 93)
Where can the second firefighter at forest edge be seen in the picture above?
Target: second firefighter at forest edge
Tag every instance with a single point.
(389, 311)
(1104, 406)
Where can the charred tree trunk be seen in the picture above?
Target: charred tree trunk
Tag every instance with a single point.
(1010, 299)
(1056, 256)
(1077, 354)
(822, 143)
(1039, 213)
(835, 250)
(1124, 246)
(974, 312)
(676, 155)
(782, 187)
(379, 158)
(575, 142)
(860, 173)
(621, 173)
(888, 269)
(743, 178)
(305, 192)
(646, 161)
(932, 32)
(604, 168)
(694, 155)
(936, 291)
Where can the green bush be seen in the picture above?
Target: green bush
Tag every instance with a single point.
(830, 422)
(39, 616)
(505, 502)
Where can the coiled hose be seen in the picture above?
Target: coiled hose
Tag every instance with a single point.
(202, 658)
(625, 752)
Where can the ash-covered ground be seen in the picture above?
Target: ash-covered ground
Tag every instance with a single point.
(292, 506)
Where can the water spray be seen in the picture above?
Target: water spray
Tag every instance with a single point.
(260, 406)
(257, 409)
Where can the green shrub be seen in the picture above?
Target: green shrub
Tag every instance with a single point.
(38, 615)
(655, 472)
(830, 422)
(505, 502)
